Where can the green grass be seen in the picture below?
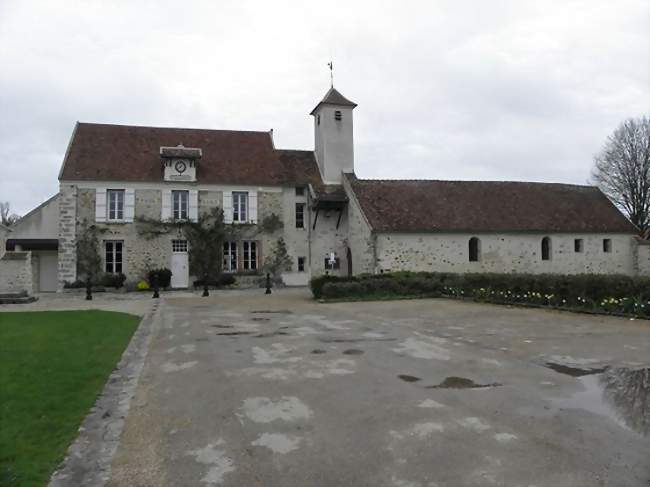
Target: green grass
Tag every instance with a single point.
(53, 365)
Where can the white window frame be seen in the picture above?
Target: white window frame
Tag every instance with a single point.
(179, 246)
(115, 205)
(180, 205)
(230, 256)
(240, 206)
(249, 261)
(113, 262)
(302, 207)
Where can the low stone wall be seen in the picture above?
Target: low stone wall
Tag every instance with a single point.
(16, 272)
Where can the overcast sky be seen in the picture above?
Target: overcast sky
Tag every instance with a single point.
(499, 90)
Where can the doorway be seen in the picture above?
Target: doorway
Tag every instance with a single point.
(180, 264)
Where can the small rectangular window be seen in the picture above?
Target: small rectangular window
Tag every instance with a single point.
(578, 245)
(250, 255)
(239, 206)
(300, 191)
(337, 115)
(607, 245)
(115, 199)
(113, 256)
(180, 204)
(230, 256)
(179, 246)
(301, 264)
(300, 215)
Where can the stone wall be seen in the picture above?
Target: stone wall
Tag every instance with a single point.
(326, 238)
(520, 253)
(643, 257)
(297, 239)
(67, 233)
(16, 272)
(360, 238)
(142, 253)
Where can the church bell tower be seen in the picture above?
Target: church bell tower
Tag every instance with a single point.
(334, 145)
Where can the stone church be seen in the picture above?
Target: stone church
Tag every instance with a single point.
(328, 218)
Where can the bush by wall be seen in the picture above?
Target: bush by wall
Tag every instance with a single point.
(593, 292)
(221, 281)
(164, 277)
(113, 280)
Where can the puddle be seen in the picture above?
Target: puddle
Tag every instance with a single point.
(234, 333)
(355, 340)
(461, 383)
(221, 326)
(318, 351)
(621, 394)
(201, 339)
(260, 319)
(408, 378)
(574, 371)
(353, 351)
(277, 311)
(271, 334)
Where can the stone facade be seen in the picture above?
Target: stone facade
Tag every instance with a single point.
(142, 252)
(360, 237)
(506, 253)
(16, 272)
(67, 233)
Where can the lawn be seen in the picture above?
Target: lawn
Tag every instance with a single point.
(53, 365)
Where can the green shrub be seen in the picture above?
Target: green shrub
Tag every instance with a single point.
(595, 292)
(317, 283)
(113, 280)
(164, 277)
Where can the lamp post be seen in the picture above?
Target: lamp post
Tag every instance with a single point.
(89, 289)
(155, 286)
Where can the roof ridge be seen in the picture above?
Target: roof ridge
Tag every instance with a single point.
(171, 128)
(481, 181)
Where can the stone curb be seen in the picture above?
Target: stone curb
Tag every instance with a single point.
(88, 460)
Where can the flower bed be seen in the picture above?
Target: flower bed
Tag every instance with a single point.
(613, 294)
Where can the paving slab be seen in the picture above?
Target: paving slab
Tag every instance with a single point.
(243, 389)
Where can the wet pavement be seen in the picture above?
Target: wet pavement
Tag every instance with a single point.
(243, 389)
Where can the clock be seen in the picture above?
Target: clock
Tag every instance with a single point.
(180, 167)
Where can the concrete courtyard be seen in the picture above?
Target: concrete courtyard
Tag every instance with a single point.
(243, 389)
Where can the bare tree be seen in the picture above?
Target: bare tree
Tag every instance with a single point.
(6, 217)
(622, 169)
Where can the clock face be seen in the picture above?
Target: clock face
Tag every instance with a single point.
(180, 167)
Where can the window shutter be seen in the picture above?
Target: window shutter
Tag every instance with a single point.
(166, 213)
(129, 205)
(227, 207)
(100, 205)
(258, 252)
(252, 206)
(194, 205)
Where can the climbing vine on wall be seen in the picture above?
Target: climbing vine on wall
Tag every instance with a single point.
(89, 261)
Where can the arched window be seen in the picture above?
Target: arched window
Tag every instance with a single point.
(474, 249)
(546, 248)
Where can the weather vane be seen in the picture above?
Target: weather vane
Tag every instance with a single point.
(331, 66)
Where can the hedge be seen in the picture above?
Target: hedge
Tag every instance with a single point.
(594, 292)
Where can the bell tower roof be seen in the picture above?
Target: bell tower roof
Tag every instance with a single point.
(333, 97)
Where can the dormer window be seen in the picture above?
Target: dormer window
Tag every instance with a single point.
(337, 115)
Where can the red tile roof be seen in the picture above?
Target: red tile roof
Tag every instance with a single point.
(486, 206)
(100, 152)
